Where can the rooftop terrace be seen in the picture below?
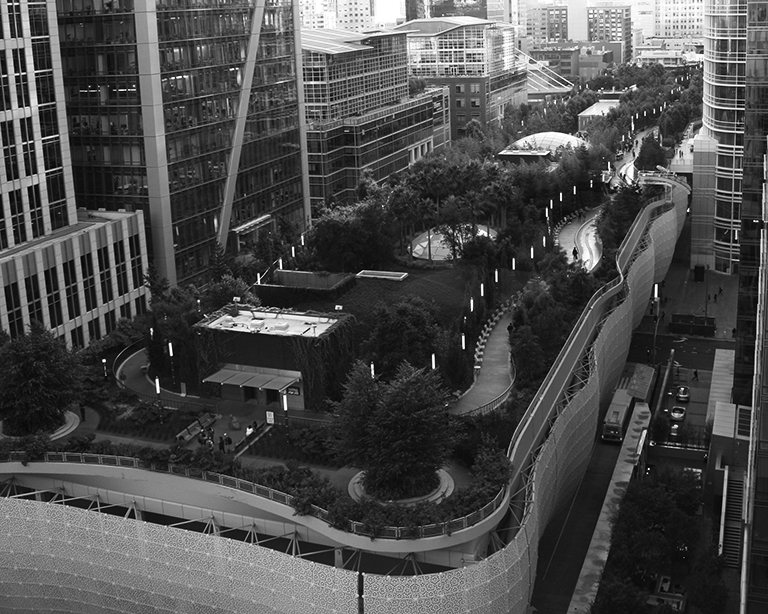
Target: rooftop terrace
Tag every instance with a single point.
(267, 322)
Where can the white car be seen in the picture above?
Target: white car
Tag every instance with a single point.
(677, 414)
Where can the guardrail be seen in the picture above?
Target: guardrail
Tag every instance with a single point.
(350, 526)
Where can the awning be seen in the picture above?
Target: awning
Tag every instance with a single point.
(279, 383)
(258, 380)
(221, 376)
(239, 379)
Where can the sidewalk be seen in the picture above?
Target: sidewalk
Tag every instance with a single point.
(495, 376)
(680, 294)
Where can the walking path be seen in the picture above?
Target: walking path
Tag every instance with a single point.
(582, 234)
(494, 376)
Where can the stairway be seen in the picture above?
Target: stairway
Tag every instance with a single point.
(732, 531)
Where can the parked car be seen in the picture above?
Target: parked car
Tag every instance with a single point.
(677, 414)
(683, 394)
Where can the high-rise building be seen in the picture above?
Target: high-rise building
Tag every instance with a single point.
(678, 18)
(547, 24)
(507, 11)
(189, 111)
(644, 17)
(476, 58)
(719, 147)
(611, 23)
(360, 115)
(75, 272)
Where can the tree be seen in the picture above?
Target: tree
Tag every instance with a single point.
(651, 155)
(217, 265)
(41, 379)
(399, 433)
(405, 331)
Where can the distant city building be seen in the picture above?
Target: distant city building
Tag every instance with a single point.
(547, 24)
(644, 17)
(679, 18)
(475, 58)
(506, 11)
(317, 13)
(359, 113)
(668, 58)
(188, 111)
(574, 61)
(75, 272)
(611, 23)
(355, 15)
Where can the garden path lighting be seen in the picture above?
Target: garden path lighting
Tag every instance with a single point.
(104, 364)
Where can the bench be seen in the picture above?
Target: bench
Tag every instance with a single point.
(194, 429)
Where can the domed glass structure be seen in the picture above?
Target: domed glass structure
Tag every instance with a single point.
(548, 140)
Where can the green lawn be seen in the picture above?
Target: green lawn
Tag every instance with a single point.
(447, 288)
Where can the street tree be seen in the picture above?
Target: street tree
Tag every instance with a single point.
(41, 378)
(399, 433)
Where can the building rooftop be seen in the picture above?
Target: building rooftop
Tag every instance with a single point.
(256, 320)
(548, 141)
(601, 107)
(437, 25)
(332, 41)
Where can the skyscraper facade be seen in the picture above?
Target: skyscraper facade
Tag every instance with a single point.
(678, 18)
(547, 24)
(75, 272)
(611, 23)
(716, 211)
(189, 111)
(355, 15)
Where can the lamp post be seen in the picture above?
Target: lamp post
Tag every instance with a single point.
(104, 364)
(173, 370)
(656, 318)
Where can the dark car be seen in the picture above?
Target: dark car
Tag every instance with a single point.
(683, 394)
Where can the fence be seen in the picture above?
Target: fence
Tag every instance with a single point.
(350, 526)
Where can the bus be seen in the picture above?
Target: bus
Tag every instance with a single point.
(617, 417)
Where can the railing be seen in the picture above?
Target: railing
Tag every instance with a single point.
(350, 526)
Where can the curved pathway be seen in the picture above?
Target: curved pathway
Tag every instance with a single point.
(582, 234)
(495, 375)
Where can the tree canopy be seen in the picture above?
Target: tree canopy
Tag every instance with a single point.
(40, 379)
(399, 433)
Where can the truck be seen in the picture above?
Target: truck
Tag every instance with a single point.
(617, 417)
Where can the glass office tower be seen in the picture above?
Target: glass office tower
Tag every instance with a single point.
(188, 110)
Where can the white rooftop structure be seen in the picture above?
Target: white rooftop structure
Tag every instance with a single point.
(266, 322)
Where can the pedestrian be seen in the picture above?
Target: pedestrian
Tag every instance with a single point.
(720, 291)
(575, 253)
(221, 444)
(715, 298)
(709, 297)
(662, 316)
(695, 375)
(227, 442)
(82, 411)
(733, 332)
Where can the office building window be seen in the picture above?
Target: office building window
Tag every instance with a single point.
(137, 271)
(110, 322)
(89, 282)
(475, 103)
(57, 200)
(14, 18)
(105, 275)
(76, 336)
(34, 302)
(13, 307)
(474, 88)
(141, 304)
(70, 289)
(460, 103)
(18, 220)
(3, 228)
(94, 329)
(20, 75)
(28, 146)
(460, 88)
(54, 298)
(5, 85)
(120, 268)
(36, 211)
(9, 150)
(125, 311)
